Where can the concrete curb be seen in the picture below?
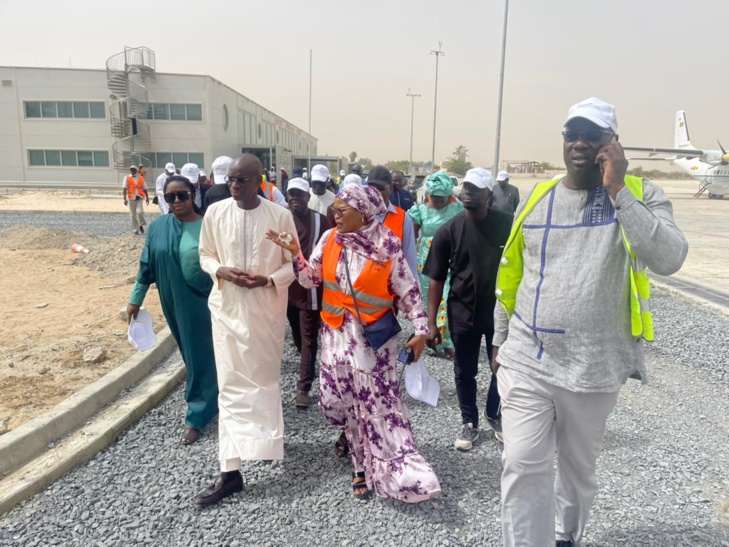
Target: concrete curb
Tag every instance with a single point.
(85, 443)
(690, 297)
(21, 445)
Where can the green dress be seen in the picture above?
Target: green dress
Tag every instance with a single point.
(170, 259)
(430, 221)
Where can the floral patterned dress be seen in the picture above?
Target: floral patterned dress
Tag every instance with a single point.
(429, 221)
(359, 392)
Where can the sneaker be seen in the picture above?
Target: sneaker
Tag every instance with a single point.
(468, 436)
(141, 229)
(496, 426)
(303, 400)
(135, 232)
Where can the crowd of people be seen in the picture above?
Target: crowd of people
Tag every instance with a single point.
(554, 285)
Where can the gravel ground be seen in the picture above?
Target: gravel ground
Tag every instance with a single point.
(98, 224)
(664, 472)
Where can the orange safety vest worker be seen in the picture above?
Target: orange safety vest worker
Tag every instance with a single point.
(396, 221)
(135, 186)
(370, 289)
(267, 189)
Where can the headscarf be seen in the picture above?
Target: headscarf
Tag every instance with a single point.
(351, 179)
(439, 184)
(373, 241)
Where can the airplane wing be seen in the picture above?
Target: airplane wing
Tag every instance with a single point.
(667, 158)
(678, 152)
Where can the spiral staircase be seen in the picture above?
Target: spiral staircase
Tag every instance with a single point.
(125, 75)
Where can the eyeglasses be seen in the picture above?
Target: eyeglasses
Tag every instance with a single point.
(593, 135)
(339, 212)
(239, 180)
(182, 196)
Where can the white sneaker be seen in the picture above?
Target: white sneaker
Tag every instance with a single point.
(468, 436)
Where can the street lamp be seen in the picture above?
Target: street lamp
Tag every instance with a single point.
(501, 92)
(437, 52)
(412, 118)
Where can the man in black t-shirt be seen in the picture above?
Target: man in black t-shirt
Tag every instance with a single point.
(469, 246)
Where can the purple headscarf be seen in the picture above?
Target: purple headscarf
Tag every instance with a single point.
(373, 241)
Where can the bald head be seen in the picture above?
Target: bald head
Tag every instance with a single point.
(248, 163)
(245, 177)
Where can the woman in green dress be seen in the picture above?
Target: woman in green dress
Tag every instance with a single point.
(170, 259)
(427, 219)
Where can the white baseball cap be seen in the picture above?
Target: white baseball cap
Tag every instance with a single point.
(479, 177)
(598, 112)
(298, 184)
(220, 168)
(351, 179)
(342, 173)
(191, 172)
(170, 167)
(141, 331)
(319, 173)
(502, 176)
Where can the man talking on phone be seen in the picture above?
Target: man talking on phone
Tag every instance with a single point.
(574, 315)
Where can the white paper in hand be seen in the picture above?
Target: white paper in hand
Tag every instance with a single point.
(420, 385)
(141, 332)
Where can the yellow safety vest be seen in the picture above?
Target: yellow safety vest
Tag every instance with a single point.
(511, 269)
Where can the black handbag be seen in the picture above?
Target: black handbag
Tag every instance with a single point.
(381, 331)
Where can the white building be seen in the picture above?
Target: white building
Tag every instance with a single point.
(79, 128)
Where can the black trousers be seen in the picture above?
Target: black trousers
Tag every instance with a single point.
(467, 349)
(305, 331)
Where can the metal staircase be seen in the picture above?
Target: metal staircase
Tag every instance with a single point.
(125, 73)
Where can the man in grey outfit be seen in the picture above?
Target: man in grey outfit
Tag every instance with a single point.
(567, 346)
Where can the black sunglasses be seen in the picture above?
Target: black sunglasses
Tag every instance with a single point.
(239, 180)
(593, 135)
(182, 196)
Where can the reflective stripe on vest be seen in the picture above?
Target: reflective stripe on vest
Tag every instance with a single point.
(396, 221)
(267, 189)
(511, 269)
(135, 186)
(370, 289)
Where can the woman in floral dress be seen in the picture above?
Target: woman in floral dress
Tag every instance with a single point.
(427, 219)
(359, 392)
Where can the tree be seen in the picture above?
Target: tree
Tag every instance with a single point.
(366, 163)
(399, 165)
(546, 166)
(352, 156)
(458, 162)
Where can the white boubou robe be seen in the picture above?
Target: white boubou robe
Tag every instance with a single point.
(248, 327)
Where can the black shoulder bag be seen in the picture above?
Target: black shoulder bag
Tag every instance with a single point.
(381, 331)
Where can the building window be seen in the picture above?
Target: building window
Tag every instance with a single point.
(65, 109)
(175, 112)
(226, 118)
(68, 158)
(160, 159)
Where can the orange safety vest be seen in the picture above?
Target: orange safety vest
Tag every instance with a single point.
(135, 185)
(370, 288)
(267, 189)
(396, 221)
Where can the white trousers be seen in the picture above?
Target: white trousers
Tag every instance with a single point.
(538, 419)
(136, 210)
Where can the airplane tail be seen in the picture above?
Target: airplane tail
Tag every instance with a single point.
(681, 137)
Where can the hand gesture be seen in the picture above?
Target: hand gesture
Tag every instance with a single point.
(132, 311)
(284, 240)
(434, 338)
(614, 167)
(494, 359)
(417, 344)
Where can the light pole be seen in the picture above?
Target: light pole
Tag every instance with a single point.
(412, 122)
(501, 92)
(437, 52)
(308, 145)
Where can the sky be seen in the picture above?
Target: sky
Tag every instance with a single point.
(647, 57)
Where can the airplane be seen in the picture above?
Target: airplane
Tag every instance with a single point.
(709, 167)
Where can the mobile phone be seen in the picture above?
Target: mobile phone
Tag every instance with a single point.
(406, 356)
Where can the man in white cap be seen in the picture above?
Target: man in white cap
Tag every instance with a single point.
(305, 304)
(506, 196)
(219, 191)
(192, 173)
(321, 198)
(469, 248)
(574, 315)
(159, 188)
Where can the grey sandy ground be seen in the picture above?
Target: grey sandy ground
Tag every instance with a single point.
(98, 224)
(664, 473)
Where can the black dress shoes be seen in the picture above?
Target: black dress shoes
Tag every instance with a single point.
(225, 485)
